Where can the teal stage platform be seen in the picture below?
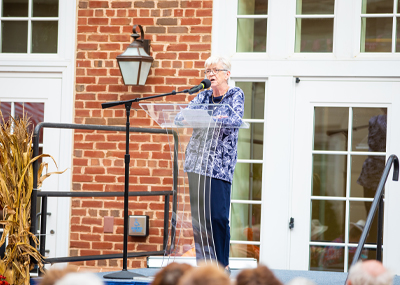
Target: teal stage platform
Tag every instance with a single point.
(319, 277)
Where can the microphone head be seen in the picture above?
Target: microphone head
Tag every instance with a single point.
(206, 83)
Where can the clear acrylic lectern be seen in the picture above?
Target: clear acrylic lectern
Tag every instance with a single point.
(198, 127)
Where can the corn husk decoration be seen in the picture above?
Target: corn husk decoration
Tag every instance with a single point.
(16, 184)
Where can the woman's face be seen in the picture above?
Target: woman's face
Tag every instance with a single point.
(217, 78)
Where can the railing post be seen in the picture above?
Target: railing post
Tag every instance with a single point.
(166, 215)
(43, 226)
(380, 230)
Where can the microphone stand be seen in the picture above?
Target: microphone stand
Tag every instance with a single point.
(125, 274)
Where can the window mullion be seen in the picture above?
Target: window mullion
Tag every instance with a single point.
(394, 27)
(394, 35)
(252, 16)
(297, 37)
(29, 45)
(13, 109)
(378, 15)
(319, 16)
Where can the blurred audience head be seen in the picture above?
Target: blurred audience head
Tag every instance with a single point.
(369, 272)
(206, 275)
(76, 278)
(261, 275)
(171, 274)
(54, 274)
(301, 281)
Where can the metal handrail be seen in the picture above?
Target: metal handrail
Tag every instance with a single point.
(45, 194)
(378, 200)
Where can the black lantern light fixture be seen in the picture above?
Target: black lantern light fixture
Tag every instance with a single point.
(135, 62)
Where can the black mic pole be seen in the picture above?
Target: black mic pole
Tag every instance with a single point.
(125, 274)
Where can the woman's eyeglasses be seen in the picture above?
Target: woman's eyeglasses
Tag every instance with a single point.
(214, 71)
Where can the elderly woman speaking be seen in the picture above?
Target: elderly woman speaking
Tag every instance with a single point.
(210, 174)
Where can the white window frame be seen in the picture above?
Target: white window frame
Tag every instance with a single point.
(29, 19)
(349, 153)
(358, 55)
(263, 16)
(253, 161)
(66, 35)
(394, 17)
(315, 16)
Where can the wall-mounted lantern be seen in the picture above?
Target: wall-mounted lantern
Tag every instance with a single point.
(135, 62)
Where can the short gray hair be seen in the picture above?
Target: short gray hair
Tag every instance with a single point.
(215, 59)
(359, 276)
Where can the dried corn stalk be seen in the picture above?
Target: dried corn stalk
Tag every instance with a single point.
(16, 184)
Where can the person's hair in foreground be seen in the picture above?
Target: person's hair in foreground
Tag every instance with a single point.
(261, 275)
(54, 274)
(369, 272)
(76, 278)
(171, 274)
(206, 275)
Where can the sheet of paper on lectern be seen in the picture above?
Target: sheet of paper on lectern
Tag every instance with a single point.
(197, 117)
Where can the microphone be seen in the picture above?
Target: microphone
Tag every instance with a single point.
(203, 85)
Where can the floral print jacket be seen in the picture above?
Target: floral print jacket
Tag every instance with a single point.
(212, 150)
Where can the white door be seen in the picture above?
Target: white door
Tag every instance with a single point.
(17, 98)
(344, 131)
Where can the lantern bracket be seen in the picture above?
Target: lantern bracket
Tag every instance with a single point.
(135, 36)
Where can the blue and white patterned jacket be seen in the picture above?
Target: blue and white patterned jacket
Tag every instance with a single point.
(220, 161)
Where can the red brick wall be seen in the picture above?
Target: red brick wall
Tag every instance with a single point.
(180, 34)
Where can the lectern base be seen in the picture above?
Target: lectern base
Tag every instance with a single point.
(124, 274)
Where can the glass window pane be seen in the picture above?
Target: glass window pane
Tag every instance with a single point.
(247, 181)
(254, 99)
(245, 222)
(326, 258)
(14, 36)
(369, 176)
(356, 187)
(369, 129)
(5, 108)
(251, 140)
(366, 253)
(398, 6)
(12, 8)
(44, 36)
(358, 217)
(245, 251)
(35, 111)
(376, 34)
(253, 7)
(377, 6)
(315, 7)
(251, 35)
(328, 221)
(45, 8)
(314, 35)
(329, 175)
(330, 128)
